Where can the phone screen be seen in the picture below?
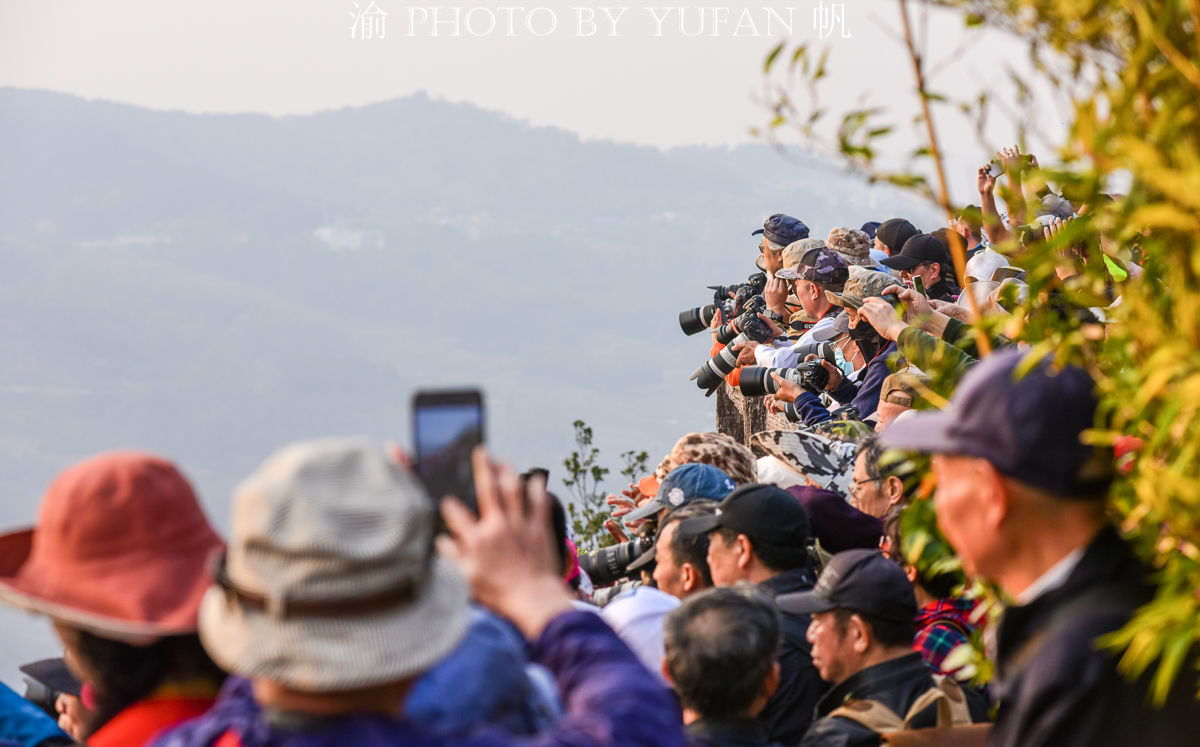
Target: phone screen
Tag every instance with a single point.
(447, 426)
(919, 285)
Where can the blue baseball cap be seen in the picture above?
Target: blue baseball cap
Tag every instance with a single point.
(1028, 426)
(684, 484)
(783, 229)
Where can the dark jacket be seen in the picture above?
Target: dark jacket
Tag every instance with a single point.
(863, 395)
(1055, 687)
(896, 684)
(788, 713)
(609, 699)
(728, 732)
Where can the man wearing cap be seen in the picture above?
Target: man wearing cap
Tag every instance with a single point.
(925, 256)
(816, 271)
(1021, 499)
(862, 634)
(760, 535)
(777, 232)
(331, 601)
(637, 615)
(680, 558)
(891, 235)
(863, 394)
(899, 393)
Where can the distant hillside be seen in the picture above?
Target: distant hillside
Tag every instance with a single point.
(212, 286)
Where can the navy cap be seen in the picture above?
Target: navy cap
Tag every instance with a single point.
(894, 232)
(768, 515)
(869, 228)
(684, 484)
(860, 581)
(921, 248)
(783, 229)
(1028, 426)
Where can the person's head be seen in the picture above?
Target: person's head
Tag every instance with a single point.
(900, 392)
(891, 235)
(777, 232)
(852, 245)
(923, 564)
(717, 449)
(720, 650)
(119, 561)
(681, 486)
(968, 223)
(823, 460)
(863, 284)
(923, 256)
(875, 490)
(681, 558)
(863, 611)
(757, 532)
(330, 587)
(1015, 482)
(819, 269)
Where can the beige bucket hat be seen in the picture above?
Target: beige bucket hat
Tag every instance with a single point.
(330, 582)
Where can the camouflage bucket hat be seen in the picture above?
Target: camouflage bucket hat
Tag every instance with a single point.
(820, 265)
(827, 461)
(793, 254)
(863, 284)
(854, 246)
(716, 449)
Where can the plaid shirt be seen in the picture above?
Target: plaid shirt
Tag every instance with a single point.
(941, 626)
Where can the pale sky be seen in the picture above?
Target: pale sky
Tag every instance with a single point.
(654, 82)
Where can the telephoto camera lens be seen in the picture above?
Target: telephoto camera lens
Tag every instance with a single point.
(756, 381)
(695, 321)
(611, 564)
(709, 375)
(819, 349)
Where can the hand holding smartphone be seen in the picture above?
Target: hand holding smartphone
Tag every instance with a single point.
(447, 426)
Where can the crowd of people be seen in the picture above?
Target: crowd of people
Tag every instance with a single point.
(777, 595)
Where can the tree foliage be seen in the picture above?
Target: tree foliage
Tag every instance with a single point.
(1131, 72)
(587, 510)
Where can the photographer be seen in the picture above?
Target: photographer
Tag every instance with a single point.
(816, 271)
(863, 395)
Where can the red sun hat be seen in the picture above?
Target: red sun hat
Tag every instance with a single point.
(121, 549)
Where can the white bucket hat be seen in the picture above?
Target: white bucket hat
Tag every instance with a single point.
(330, 582)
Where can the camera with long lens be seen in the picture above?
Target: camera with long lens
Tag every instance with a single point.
(756, 381)
(709, 375)
(611, 564)
(694, 321)
(753, 306)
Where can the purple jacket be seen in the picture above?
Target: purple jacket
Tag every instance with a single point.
(608, 697)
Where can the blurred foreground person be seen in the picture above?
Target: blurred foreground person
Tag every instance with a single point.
(721, 646)
(119, 561)
(331, 602)
(1022, 500)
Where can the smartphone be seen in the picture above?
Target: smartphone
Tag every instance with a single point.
(919, 285)
(447, 426)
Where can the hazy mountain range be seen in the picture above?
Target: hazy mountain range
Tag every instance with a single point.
(212, 286)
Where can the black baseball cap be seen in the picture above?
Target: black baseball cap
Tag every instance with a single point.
(1028, 426)
(920, 248)
(767, 514)
(861, 581)
(893, 232)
